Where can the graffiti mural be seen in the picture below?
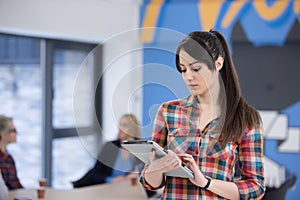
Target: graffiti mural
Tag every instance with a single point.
(266, 30)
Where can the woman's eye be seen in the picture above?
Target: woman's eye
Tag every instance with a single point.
(182, 69)
(196, 69)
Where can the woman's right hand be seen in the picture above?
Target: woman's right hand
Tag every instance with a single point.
(164, 164)
(158, 166)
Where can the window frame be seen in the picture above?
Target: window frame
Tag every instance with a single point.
(48, 47)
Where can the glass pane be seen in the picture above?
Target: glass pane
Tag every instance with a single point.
(72, 158)
(68, 66)
(21, 96)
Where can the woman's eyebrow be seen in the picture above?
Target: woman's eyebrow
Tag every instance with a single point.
(194, 62)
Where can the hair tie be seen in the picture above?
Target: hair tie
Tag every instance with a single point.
(211, 31)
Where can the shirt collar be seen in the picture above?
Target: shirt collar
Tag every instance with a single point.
(192, 100)
(3, 154)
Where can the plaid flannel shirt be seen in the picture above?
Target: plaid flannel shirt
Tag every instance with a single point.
(9, 172)
(175, 126)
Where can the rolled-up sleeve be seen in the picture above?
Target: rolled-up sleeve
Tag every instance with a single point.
(159, 136)
(251, 161)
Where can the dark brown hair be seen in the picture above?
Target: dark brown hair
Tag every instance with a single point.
(207, 47)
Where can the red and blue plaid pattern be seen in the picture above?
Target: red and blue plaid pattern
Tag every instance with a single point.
(9, 172)
(175, 127)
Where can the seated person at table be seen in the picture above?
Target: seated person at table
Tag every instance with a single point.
(3, 189)
(7, 164)
(114, 163)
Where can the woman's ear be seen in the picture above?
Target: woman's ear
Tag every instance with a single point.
(219, 63)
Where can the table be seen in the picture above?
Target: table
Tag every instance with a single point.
(120, 190)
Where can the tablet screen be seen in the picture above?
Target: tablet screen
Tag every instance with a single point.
(142, 148)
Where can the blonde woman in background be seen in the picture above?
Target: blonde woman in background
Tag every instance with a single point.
(8, 134)
(114, 163)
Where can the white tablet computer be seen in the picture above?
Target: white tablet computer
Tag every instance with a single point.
(142, 148)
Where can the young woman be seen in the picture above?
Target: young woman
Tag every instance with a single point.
(7, 164)
(212, 130)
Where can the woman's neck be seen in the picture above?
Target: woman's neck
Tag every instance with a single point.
(208, 113)
(210, 106)
(211, 98)
(3, 146)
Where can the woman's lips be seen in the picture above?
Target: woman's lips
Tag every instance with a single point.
(193, 85)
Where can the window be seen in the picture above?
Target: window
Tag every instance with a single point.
(40, 80)
(21, 97)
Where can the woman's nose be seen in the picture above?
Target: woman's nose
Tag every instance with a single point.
(189, 74)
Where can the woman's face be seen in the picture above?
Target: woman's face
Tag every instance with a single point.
(124, 127)
(10, 135)
(197, 76)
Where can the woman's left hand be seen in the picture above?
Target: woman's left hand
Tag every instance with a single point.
(199, 179)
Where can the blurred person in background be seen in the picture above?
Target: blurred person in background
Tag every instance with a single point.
(8, 134)
(114, 163)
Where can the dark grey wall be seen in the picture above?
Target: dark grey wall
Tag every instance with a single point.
(269, 75)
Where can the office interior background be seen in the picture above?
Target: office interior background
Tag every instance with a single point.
(70, 69)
